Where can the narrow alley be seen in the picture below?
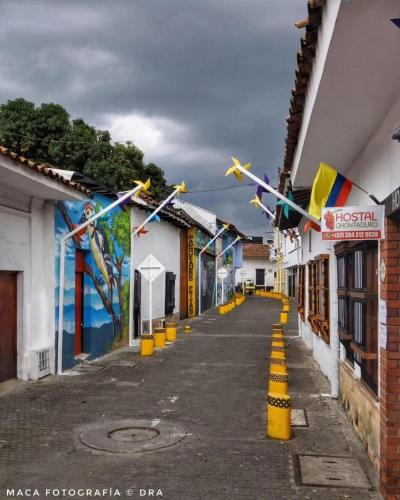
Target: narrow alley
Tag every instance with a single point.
(212, 383)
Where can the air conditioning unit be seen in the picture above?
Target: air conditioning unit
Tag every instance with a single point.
(41, 363)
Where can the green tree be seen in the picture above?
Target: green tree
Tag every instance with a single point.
(47, 134)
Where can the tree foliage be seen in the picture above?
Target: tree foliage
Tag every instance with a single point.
(46, 134)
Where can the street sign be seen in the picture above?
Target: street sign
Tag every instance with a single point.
(222, 273)
(150, 268)
(353, 223)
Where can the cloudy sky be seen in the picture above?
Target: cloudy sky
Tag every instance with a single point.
(190, 82)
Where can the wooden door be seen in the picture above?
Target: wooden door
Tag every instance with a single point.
(183, 302)
(79, 275)
(8, 325)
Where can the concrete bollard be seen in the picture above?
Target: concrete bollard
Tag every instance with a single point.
(222, 309)
(278, 365)
(278, 416)
(159, 337)
(170, 330)
(286, 308)
(278, 343)
(147, 344)
(277, 326)
(277, 337)
(278, 352)
(187, 329)
(283, 317)
(278, 382)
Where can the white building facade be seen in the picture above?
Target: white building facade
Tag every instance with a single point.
(27, 264)
(345, 111)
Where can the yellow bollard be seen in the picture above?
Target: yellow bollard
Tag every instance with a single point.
(187, 329)
(278, 416)
(278, 352)
(276, 337)
(284, 317)
(286, 308)
(278, 382)
(278, 343)
(221, 309)
(147, 344)
(278, 365)
(170, 330)
(159, 337)
(277, 326)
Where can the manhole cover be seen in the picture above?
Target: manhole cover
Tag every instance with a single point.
(88, 368)
(319, 470)
(132, 435)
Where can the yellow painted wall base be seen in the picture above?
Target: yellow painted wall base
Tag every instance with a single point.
(279, 416)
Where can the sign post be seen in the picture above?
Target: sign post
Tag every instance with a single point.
(222, 274)
(150, 269)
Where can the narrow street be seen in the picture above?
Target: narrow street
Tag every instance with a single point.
(213, 383)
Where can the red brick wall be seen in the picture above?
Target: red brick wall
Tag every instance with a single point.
(390, 368)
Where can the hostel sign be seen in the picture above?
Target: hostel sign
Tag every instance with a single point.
(352, 223)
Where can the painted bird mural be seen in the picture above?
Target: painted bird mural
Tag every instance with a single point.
(101, 252)
(98, 244)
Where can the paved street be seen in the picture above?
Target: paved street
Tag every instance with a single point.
(213, 383)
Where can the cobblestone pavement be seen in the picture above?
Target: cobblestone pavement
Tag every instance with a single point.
(213, 382)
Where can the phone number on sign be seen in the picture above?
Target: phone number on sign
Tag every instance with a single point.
(352, 235)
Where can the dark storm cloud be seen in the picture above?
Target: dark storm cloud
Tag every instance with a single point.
(218, 71)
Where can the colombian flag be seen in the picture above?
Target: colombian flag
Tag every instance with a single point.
(330, 189)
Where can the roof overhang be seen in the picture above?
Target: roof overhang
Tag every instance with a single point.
(34, 183)
(355, 81)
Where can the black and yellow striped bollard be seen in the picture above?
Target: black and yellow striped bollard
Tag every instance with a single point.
(278, 365)
(279, 416)
(147, 344)
(159, 337)
(278, 351)
(277, 336)
(170, 331)
(278, 382)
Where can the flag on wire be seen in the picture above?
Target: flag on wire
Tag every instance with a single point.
(330, 189)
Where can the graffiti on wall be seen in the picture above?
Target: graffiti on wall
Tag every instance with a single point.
(105, 245)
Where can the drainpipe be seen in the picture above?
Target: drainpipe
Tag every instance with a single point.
(62, 269)
(333, 328)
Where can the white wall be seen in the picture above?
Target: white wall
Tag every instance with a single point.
(249, 270)
(204, 217)
(162, 241)
(27, 246)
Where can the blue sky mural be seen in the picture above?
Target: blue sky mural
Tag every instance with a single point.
(105, 245)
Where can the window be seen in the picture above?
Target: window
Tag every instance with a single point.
(318, 296)
(357, 306)
(301, 293)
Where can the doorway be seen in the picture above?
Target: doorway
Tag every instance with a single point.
(137, 304)
(8, 325)
(260, 278)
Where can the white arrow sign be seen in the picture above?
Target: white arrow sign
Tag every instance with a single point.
(222, 273)
(151, 268)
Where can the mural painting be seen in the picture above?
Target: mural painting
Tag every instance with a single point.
(97, 261)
